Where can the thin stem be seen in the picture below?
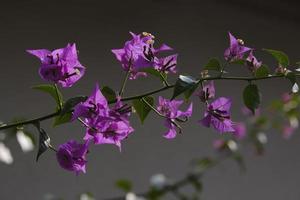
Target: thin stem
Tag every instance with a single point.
(150, 106)
(86, 125)
(223, 69)
(60, 103)
(161, 115)
(30, 121)
(165, 81)
(124, 82)
(143, 95)
(180, 183)
(52, 148)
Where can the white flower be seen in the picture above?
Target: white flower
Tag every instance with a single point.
(5, 155)
(158, 181)
(132, 196)
(24, 141)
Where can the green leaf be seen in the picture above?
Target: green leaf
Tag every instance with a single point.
(71, 103)
(298, 64)
(262, 71)
(252, 97)
(292, 77)
(183, 84)
(50, 89)
(155, 73)
(124, 185)
(188, 93)
(141, 108)
(62, 119)
(204, 163)
(154, 194)
(109, 93)
(213, 64)
(280, 56)
(44, 142)
(238, 62)
(66, 112)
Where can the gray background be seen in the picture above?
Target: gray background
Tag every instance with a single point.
(197, 30)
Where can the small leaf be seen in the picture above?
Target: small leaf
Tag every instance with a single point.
(292, 77)
(141, 108)
(204, 163)
(238, 62)
(66, 112)
(62, 119)
(280, 56)
(183, 84)
(213, 64)
(44, 142)
(71, 103)
(50, 89)
(262, 71)
(108, 93)
(252, 97)
(124, 185)
(188, 93)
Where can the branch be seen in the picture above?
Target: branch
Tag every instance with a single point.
(187, 180)
(31, 121)
(49, 116)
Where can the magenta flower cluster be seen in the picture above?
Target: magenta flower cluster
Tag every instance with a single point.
(139, 53)
(60, 66)
(110, 124)
(105, 125)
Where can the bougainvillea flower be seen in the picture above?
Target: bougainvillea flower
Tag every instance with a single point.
(60, 66)
(286, 97)
(105, 125)
(95, 105)
(114, 127)
(217, 115)
(72, 156)
(109, 130)
(166, 64)
(207, 91)
(170, 110)
(287, 131)
(236, 49)
(138, 53)
(252, 62)
(240, 130)
(219, 144)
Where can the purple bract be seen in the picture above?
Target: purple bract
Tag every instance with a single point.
(71, 156)
(217, 115)
(60, 66)
(170, 109)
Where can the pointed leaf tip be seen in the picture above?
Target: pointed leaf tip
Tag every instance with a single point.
(251, 97)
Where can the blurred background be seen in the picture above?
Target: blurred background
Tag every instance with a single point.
(197, 30)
